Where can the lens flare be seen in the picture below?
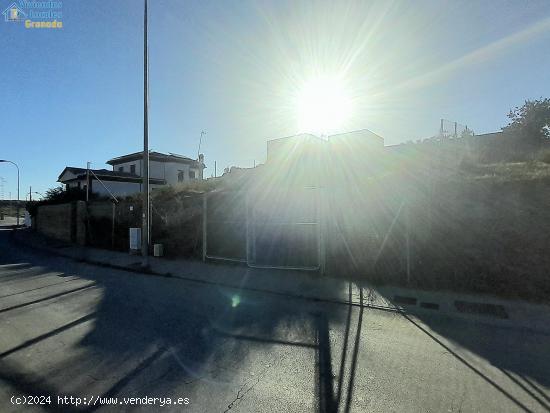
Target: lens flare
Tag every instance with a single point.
(322, 105)
(235, 301)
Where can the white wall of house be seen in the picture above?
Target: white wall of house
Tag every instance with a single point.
(162, 170)
(156, 170)
(117, 188)
(74, 184)
(67, 175)
(126, 167)
(175, 170)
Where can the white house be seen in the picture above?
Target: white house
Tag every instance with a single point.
(126, 176)
(170, 167)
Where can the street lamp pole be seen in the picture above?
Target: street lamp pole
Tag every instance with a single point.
(145, 162)
(5, 160)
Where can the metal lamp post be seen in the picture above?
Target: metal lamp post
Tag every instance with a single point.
(5, 160)
(145, 162)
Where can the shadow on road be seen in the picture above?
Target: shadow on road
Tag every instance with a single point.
(155, 334)
(519, 355)
(151, 336)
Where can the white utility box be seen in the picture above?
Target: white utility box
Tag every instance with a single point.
(158, 250)
(135, 239)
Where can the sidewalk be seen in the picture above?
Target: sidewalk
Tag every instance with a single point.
(311, 286)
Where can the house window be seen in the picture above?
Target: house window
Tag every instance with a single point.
(121, 168)
(180, 176)
(191, 174)
(133, 169)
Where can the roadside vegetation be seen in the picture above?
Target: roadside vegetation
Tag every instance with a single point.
(9, 208)
(478, 220)
(535, 170)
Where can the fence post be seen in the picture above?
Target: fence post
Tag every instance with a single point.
(322, 228)
(247, 245)
(113, 227)
(408, 242)
(87, 224)
(204, 218)
(253, 234)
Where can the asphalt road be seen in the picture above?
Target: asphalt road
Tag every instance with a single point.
(72, 329)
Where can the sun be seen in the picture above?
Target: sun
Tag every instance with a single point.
(322, 105)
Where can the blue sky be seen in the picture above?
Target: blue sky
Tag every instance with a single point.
(231, 68)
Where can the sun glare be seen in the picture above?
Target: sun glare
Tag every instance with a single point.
(322, 106)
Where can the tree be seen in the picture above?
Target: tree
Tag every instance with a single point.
(57, 195)
(530, 122)
(60, 195)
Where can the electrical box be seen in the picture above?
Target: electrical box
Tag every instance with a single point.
(135, 239)
(158, 250)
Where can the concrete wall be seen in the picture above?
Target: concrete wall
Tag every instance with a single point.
(55, 221)
(80, 223)
(65, 222)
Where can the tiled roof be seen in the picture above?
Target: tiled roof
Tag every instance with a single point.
(81, 173)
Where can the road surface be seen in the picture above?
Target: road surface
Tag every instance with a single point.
(103, 335)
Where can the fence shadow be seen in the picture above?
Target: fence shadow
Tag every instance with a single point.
(518, 354)
(155, 334)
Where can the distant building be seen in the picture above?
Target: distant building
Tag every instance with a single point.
(355, 146)
(126, 176)
(171, 168)
(306, 159)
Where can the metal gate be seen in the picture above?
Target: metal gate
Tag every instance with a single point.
(276, 230)
(284, 230)
(224, 226)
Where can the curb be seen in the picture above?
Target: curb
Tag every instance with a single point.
(206, 282)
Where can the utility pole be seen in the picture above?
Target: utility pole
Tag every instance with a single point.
(145, 186)
(215, 170)
(30, 193)
(17, 166)
(87, 182)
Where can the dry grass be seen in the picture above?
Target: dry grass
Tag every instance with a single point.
(506, 171)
